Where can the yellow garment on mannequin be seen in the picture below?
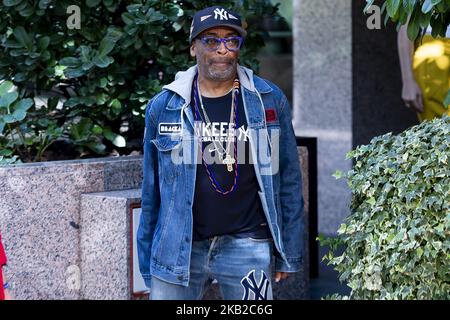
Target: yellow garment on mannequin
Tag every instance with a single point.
(431, 67)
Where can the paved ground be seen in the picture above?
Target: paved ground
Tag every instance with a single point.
(327, 282)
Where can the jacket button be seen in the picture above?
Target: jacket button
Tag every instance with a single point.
(180, 277)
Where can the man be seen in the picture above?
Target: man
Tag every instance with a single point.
(221, 193)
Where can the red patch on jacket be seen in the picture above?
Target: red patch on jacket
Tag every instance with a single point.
(271, 115)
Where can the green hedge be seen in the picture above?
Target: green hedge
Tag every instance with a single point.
(397, 239)
(95, 81)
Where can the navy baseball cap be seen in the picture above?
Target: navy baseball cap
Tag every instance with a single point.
(215, 17)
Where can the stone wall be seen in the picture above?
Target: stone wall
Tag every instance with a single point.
(65, 227)
(40, 219)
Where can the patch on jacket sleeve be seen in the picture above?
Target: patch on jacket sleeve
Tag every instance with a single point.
(271, 115)
(169, 128)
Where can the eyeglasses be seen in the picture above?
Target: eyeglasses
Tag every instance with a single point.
(213, 43)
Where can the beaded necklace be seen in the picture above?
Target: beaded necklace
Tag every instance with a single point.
(228, 160)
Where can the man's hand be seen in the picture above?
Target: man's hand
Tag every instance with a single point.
(281, 276)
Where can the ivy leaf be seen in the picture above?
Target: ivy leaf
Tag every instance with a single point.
(371, 201)
(338, 174)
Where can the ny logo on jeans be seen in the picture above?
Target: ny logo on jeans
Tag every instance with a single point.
(257, 291)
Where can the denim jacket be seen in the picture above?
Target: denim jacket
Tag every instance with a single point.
(164, 237)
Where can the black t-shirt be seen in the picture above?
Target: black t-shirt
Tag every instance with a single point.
(240, 212)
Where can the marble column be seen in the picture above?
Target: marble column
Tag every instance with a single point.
(323, 97)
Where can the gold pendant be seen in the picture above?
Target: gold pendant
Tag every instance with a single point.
(229, 161)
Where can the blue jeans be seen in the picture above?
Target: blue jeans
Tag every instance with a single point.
(242, 267)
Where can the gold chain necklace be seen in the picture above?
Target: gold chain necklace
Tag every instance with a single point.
(228, 160)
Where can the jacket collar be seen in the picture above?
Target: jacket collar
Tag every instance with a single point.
(182, 85)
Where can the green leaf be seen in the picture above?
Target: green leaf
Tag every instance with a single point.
(23, 104)
(119, 141)
(96, 129)
(427, 6)
(116, 106)
(103, 83)
(11, 3)
(342, 228)
(96, 147)
(43, 43)
(413, 27)
(19, 114)
(12, 44)
(106, 46)
(392, 7)
(5, 87)
(337, 174)
(92, 3)
(70, 62)
(74, 73)
(103, 62)
(128, 18)
(43, 4)
(87, 66)
(108, 133)
(368, 5)
(101, 99)
(8, 118)
(8, 98)
(371, 201)
(116, 139)
(43, 122)
(85, 54)
(22, 37)
(165, 51)
(6, 152)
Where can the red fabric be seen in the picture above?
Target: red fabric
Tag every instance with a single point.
(271, 115)
(2, 263)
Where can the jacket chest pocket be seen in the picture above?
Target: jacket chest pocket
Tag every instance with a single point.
(170, 155)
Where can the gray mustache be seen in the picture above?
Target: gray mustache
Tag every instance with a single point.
(222, 61)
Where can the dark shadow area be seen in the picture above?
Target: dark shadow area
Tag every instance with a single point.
(377, 86)
(327, 283)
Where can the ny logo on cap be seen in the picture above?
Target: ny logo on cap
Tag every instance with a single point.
(221, 14)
